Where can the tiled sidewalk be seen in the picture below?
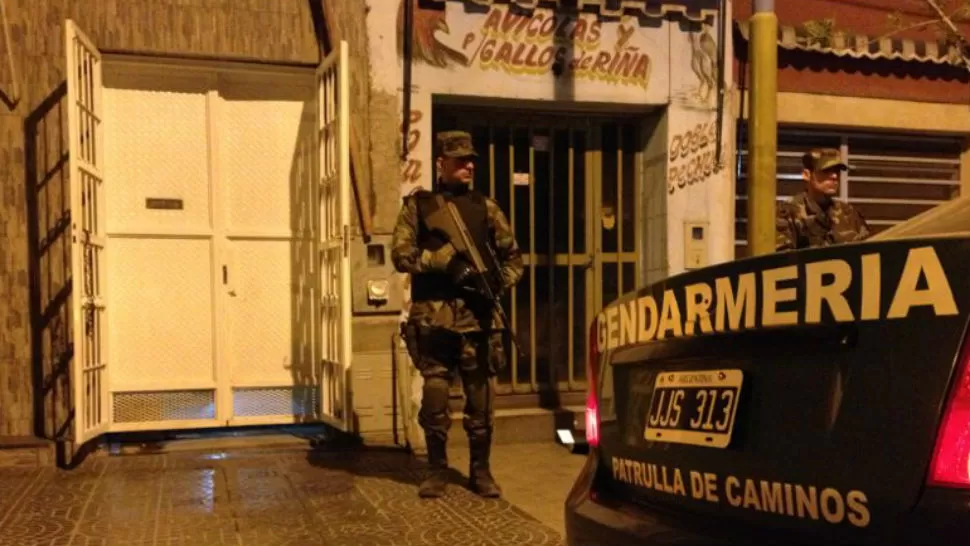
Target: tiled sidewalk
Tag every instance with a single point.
(284, 496)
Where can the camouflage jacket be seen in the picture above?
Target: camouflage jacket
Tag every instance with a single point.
(801, 223)
(409, 258)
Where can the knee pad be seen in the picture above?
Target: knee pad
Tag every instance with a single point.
(434, 404)
(476, 423)
(438, 421)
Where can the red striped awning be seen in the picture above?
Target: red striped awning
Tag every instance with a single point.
(860, 46)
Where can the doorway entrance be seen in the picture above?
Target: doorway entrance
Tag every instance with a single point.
(212, 206)
(210, 256)
(570, 185)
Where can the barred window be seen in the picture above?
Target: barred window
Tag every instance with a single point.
(893, 176)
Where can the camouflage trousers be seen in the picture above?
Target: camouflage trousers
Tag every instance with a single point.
(475, 357)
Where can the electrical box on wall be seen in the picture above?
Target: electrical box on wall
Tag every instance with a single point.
(375, 285)
(695, 245)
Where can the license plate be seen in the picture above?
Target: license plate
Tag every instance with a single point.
(696, 408)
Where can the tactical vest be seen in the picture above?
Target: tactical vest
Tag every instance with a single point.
(473, 209)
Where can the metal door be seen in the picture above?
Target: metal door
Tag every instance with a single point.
(215, 228)
(89, 368)
(268, 287)
(163, 238)
(333, 79)
(568, 183)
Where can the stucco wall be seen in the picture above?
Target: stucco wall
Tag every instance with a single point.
(35, 250)
(699, 188)
(346, 21)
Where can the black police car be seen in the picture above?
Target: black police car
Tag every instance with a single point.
(818, 396)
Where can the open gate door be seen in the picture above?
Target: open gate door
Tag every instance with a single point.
(89, 368)
(333, 111)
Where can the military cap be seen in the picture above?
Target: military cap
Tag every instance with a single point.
(820, 159)
(454, 144)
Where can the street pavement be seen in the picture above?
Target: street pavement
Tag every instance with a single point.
(284, 495)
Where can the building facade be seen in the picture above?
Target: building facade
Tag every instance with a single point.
(599, 137)
(199, 198)
(878, 80)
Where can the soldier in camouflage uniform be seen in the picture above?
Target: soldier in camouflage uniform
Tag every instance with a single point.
(449, 328)
(814, 217)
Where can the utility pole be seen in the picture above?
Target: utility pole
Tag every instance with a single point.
(762, 128)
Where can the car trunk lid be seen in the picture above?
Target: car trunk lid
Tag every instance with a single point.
(801, 391)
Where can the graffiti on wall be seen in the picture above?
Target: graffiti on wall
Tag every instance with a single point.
(425, 47)
(536, 43)
(411, 173)
(693, 155)
(700, 92)
(703, 63)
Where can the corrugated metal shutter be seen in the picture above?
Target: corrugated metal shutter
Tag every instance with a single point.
(893, 178)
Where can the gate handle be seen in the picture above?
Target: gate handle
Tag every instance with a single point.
(225, 279)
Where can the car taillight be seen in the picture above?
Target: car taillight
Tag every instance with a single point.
(951, 459)
(592, 375)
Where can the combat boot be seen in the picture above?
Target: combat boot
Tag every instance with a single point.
(480, 478)
(434, 485)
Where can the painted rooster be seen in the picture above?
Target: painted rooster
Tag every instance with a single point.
(425, 47)
(703, 62)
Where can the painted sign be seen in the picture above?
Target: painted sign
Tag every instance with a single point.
(412, 166)
(692, 156)
(843, 285)
(544, 42)
(814, 502)
(540, 50)
(703, 65)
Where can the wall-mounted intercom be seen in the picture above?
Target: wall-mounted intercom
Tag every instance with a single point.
(375, 284)
(695, 245)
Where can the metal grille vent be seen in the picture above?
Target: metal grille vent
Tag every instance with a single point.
(142, 407)
(254, 402)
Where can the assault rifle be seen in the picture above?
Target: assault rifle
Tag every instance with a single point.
(446, 220)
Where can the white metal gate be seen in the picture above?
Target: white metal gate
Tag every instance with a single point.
(89, 369)
(334, 198)
(328, 273)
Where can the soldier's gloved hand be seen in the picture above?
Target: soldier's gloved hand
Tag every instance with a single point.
(439, 260)
(460, 270)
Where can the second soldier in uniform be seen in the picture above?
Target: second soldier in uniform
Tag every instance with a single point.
(449, 328)
(815, 218)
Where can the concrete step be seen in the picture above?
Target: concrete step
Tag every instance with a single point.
(26, 452)
(512, 426)
(522, 426)
(219, 439)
